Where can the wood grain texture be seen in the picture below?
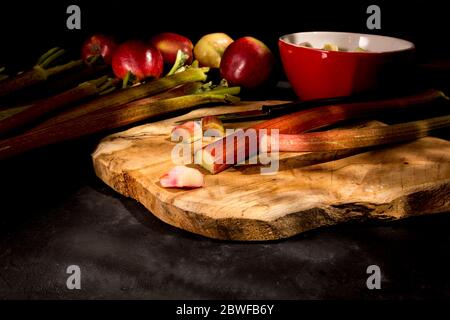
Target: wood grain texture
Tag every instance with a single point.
(310, 190)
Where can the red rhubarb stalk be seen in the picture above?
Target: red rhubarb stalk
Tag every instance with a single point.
(334, 140)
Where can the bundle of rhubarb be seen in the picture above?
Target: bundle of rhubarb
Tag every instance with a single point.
(292, 133)
(114, 85)
(293, 136)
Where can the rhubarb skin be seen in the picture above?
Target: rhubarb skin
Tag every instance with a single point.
(182, 177)
(311, 119)
(334, 140)
(189, 132)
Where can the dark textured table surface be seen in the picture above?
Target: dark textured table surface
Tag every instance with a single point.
(56, 213)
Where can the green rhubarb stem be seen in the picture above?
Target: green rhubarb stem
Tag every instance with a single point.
(179, 91)
(106, 91)
(101, 121)
(63, 68)
(98, 82)
(51, 58)
(127, 115)
(125, 96)
(179, 62)
(183, 90)
(108, 86)
(46, 55)
(93, 59)
(225, 90)
(126, 79)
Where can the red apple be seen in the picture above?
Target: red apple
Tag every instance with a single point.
(210, 48)
(247, 62)
(140, 59)
(98, 44)
(169, 43)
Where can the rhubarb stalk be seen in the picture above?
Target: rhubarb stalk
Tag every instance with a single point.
(5, 113)
(334, 140)
(215, 160)
(212, 127)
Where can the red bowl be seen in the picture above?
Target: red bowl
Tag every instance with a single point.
(316, 73)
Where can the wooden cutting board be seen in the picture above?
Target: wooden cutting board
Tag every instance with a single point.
(311, 190)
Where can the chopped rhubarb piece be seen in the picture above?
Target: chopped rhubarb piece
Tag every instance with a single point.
(212, 127)
(189, 132)
(182, 177)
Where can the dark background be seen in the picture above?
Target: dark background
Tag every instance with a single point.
(29, 28)
(55, 212)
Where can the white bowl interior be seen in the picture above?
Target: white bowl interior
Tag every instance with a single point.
(349, 41)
